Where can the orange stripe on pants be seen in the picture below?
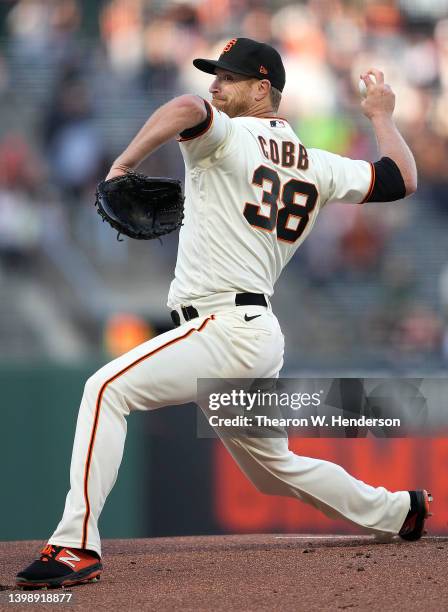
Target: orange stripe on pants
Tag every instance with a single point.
(97, 416)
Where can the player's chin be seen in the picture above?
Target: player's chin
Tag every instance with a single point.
(225, 107)
(219, 104)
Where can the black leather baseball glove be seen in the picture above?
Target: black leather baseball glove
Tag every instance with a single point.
(140, 206)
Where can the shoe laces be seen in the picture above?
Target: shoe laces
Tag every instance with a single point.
(47, 552)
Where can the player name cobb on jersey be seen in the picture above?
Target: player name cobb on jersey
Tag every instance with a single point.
(284, 152)
(269, 205)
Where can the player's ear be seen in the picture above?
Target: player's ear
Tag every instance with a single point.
(263, 87)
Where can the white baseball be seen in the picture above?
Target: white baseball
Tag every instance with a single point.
(362, 85)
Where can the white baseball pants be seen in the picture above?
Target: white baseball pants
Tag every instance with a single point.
(164, 371)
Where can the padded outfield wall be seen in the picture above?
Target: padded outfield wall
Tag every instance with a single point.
(171, 482)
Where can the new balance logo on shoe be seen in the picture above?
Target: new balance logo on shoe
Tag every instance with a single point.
(68, 558)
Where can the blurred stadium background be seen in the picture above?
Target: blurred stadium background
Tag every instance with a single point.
(367, 292)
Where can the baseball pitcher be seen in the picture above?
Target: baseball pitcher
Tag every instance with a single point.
(253, 191)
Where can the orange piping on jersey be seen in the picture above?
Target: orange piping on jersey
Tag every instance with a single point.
(207, 127)
(97, 416)
(372, 183)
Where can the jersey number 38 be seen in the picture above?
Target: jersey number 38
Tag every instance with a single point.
(290, 216)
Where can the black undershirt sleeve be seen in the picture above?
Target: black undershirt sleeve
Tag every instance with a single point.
(389, 184)
(196, 130)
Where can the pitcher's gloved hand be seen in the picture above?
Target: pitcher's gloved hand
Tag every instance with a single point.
(140, 206)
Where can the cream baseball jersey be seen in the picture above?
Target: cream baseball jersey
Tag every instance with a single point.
(252, 195)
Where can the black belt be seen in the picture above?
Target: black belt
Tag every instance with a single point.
(241, 299)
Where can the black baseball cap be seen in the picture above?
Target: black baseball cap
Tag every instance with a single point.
(248, 57)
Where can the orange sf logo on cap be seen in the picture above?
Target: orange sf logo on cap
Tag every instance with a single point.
(263, 70)
(229, 45)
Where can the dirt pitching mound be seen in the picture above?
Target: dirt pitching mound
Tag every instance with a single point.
(254, 572)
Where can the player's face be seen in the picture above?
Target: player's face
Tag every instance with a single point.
(231, 92)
